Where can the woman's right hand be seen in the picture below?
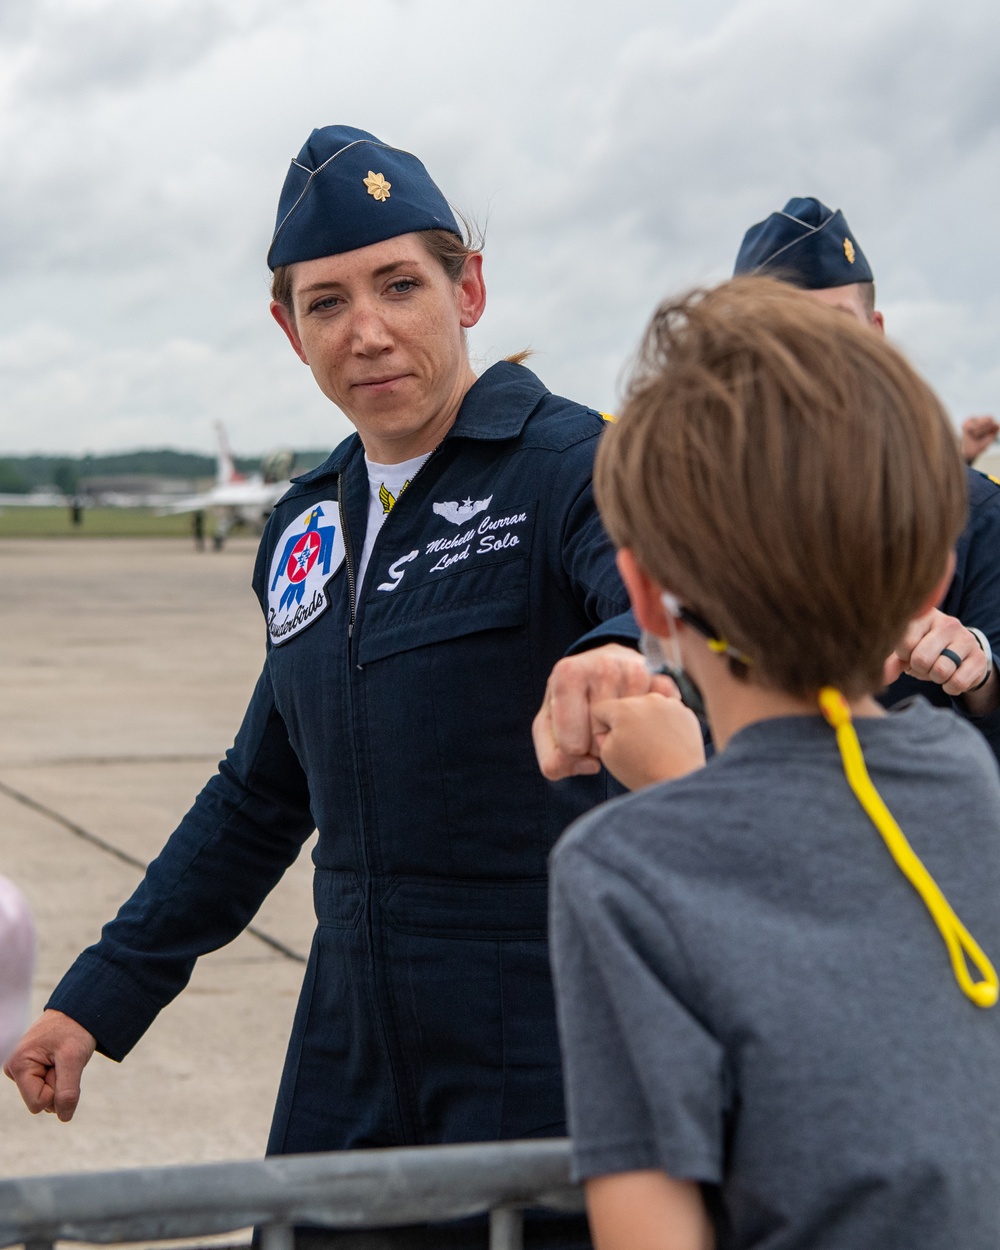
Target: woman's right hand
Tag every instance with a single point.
(48, 1062)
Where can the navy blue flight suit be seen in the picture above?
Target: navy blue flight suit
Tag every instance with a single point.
(395, 717)
(973, 597)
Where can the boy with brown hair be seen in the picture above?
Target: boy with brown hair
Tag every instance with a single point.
(763, 1042)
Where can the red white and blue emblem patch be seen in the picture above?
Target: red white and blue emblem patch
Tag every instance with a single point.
(307, 555)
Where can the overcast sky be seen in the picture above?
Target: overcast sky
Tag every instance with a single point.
(615, 150)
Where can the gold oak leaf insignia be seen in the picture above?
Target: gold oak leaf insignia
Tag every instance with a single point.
(377, 186)
(849, 251)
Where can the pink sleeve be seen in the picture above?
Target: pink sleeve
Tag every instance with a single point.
(17, 959)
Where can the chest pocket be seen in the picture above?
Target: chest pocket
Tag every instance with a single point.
(492, 596)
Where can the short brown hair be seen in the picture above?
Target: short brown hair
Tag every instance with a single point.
(786, 473)
(447, 248)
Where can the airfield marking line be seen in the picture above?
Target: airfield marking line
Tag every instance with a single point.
(133, 861)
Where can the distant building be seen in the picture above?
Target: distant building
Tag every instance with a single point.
(137, 490)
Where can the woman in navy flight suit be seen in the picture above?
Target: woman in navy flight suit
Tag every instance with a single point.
(412, 625)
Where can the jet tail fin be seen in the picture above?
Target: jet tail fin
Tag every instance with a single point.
(225, 468)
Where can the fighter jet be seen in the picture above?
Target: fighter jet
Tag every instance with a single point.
(235, 499)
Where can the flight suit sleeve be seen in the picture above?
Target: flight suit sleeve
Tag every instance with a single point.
(622, 628)
(973, 598)
(245, 828)
(587, 554)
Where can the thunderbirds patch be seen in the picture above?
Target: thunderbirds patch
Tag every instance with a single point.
(307, 555)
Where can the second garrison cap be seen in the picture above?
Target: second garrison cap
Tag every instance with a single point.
(347, 189)
(806, 244)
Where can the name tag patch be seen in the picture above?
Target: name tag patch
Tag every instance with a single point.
(307, 555)
(482, 536)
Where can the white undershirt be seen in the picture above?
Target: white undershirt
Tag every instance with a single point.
(385, 484)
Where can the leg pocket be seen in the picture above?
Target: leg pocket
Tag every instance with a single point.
(533, 1096)
(449, 1033)
(337, 1089)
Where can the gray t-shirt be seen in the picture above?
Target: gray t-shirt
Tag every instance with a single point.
(753, 996)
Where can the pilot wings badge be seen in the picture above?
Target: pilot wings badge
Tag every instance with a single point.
(306, 556)
(458, 513)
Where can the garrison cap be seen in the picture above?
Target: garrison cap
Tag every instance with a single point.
(806, 244)
(347, 189)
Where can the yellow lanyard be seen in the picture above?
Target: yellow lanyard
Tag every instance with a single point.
(962, 946)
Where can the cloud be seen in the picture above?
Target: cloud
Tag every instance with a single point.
(76, 47)
(954, 344)
(617, 153)
(91, 183)
(692, 139)
(169, 392)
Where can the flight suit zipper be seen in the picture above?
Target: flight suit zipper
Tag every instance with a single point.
(347, 556)
(375, 986)
(351, 584)
(405, 1120)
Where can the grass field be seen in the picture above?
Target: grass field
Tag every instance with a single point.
(97, 523)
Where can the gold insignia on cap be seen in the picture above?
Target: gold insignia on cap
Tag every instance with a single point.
(848, 249)
(377, 186)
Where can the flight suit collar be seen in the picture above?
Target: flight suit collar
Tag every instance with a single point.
(496, 407)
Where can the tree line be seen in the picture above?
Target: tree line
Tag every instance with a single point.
(22, 474)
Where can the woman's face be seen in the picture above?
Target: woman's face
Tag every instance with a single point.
(381, 328)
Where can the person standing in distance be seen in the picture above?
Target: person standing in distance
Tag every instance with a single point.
(946, 655)
(417, 588)
(17, 962)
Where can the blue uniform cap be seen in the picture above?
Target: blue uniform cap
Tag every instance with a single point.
(347, 189)
(806, 244)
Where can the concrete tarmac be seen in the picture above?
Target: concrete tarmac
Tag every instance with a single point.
(125, 669)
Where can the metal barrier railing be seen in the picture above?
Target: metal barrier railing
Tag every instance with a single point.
(344, 1190)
